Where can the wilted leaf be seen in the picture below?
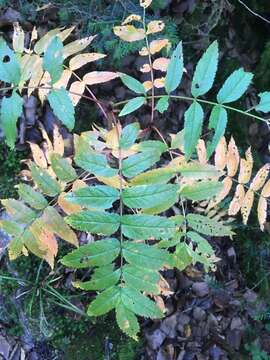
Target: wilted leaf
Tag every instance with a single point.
(246, 166)
(58, 142)
(161, 64)
(156, 45)
(131, 18)
(262, 211)
(38, 155)
(266, 189)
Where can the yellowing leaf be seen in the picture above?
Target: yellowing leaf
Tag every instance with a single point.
(76, 46)
(112, 137)
(143, 51)
(220, 154)
(76, 91)
(148, 85)
(131, 18)
(64, 79)
(48, 141)
(159, 83)
(262, 212)
(58, 142)
(145, 3)
(227, 185)
(38, 155)
(246, 166)
(129, 33)
(113, 181)
(67, 206)
(146, 68)
(157, 45)
(36, 75)
(260, 178)
(155, 26)
(82, 59)
(247, 205)
(18, 38)
(44, 86)
(266, 189)
(97, 77)
(161, 64)
(233, 158)
(201, 152)
(237, 200)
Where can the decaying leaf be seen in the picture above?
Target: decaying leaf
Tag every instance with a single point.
(58, 142)
(129, 33)
(161, 64)
(233, 158)
(260, 178)
(131, 18)
(76, 91)
(221, 154)
(82, 59)
(201, 152)
(97, 77)
(146, 68)
(159, 83)
(38, 155)
(157, 45)
(237, 200)
(246, 166)
(247, 205)
(262, 211)
(155, 26)
(266, 189)
(148, 85)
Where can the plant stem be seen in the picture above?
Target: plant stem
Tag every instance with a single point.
(212, 103)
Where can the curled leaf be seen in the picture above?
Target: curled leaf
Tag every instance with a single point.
(161, 64)
(157, 45)
(131, 18)
(155, 26)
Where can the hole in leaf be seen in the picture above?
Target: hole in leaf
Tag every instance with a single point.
(6, 59)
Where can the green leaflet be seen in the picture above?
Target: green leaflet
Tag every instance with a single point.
(137, 163)
(202, 190)
(105, 301)
(90, 160)
(62, 168)
(127, 321)
(155, 176)
(11, 227)
(62, 106)
(207, 226)
(166, 244)
(162, 104)
(218, 122)
(33, 198)
(97, 197)
(264, 104)
(132, 105)
(133, 84)
(94, 222)
(192, 128)
(145, 256)
(19, 211)
(234, 86)
(97, 253)
(141, 279)
(103, 278)
(182, 257)
(151, 145)
(199, 171)
(10, 70)
(11, 110)
(139, 304)
(144, 226)
(165, 205)
(44, 181)
(178, 140)
(174, 70)
(203, 245)
(129, 135)
(145, 196)
(55, 223)
(205, 71)
(53, 59)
